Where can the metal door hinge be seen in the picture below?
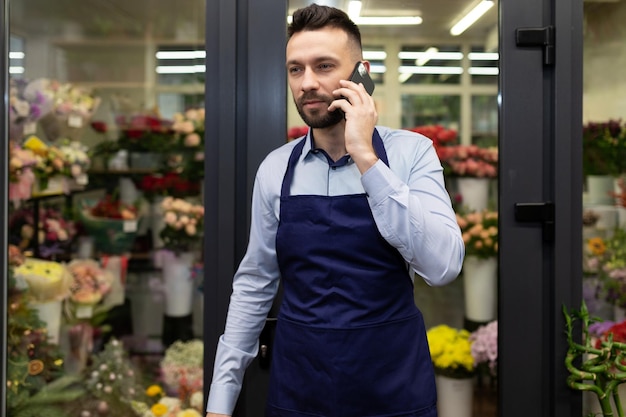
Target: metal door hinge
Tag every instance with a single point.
(542, 37)
(540, 213)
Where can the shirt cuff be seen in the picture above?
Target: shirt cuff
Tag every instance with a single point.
(222, 399)
(376, 183)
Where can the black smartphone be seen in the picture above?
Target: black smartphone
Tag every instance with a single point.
(360, 75)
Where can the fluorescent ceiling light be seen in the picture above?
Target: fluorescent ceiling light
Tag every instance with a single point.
(181, 54)
(378, 69)
(16, 55)
(374, 55)
(354, 9)
(426, 56)
(471, 17)
(444, 56)
(404, 77)
(186, 69)
(483, 56)
(483, 71)
(430, 70)
(382, 20)
(16, 70)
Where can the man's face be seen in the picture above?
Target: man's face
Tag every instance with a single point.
(316, 61)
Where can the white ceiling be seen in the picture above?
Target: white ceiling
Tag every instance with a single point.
(162, 16)
(438, 16)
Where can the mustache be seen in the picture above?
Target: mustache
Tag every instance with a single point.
(313, 96)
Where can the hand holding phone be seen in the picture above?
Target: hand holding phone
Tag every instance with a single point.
(360, 75)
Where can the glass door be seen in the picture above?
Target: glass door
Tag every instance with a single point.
(104, 222)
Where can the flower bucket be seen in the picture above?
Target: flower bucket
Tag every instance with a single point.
(599, 189)
(50, 313)
(110, 236)
(178, 284)
(480, 286)
(455, 396)
(57, 184)
(474, 192)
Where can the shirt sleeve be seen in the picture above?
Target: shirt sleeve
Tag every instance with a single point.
(255, 285)
(416, 216)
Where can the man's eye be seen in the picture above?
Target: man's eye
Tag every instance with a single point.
(294, 70)
(325, 66)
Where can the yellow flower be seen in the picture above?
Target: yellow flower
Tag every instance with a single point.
(596, 245)
(450, 349)
(190, 412)
(158, 409)
(153, 391)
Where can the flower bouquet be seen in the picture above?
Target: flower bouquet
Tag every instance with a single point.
(440, 135)
(145, 133)
(112, 223)
(73, 108)
(91, 282)
(189, 128)
(451, 351)
(44, 280)
(485, 346)
(606, 259)
(480, 233)
(604, 148)
(28, 102)
(21, 176)
(182, 367)
(183, 224)
(50, 167)
(182, 370)
(160, 405)
(111, 383)
(469, 161)
(77, 160)
(56, 233)
(47, 284)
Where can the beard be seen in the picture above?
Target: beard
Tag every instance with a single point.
(319, 119)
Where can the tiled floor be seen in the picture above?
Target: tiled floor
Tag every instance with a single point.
(445, 305)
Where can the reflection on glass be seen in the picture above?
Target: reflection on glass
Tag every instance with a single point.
(94, 151)
(420, 110)
(430, 64)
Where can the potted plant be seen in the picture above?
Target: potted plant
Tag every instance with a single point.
(451, 354)
(181, 235)
(597, 363)
(479, 230)
(473, 168)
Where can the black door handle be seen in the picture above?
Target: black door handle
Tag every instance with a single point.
(540, 213)
(266, 339)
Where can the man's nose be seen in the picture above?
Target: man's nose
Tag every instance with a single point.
(309, 80)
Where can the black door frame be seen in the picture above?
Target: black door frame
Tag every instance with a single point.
(246, 118)
(4, 198)
(540, 132)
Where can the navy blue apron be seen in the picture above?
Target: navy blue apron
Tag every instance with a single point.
(350, 341)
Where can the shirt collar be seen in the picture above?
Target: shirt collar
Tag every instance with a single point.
(309, 150)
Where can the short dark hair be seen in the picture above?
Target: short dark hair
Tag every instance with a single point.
(314, 17)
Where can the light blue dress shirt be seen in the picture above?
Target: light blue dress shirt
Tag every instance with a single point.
(411, 208)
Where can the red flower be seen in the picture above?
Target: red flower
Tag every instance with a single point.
(100, 127)
(618, 331)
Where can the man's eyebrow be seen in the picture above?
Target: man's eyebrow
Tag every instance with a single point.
(316, 60)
